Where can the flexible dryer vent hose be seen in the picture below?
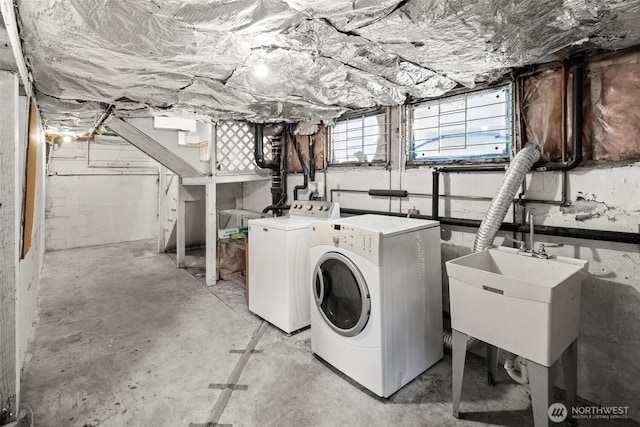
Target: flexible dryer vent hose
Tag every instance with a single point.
(518, 168)
(500, 204)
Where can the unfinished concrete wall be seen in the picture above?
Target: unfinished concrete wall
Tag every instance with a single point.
(602, 198)
(600, 195)
(256, 195)
(104, 194)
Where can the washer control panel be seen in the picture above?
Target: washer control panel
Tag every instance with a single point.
(315, 208)
(361, 241)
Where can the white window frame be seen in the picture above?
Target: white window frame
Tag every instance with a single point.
(359, 143)
(493, 140)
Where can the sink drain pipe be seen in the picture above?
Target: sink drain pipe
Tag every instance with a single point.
(516, 367)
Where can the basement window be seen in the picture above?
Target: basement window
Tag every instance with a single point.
(471, 126)
(359, 139)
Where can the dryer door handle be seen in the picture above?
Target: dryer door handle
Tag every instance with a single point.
(318, 291)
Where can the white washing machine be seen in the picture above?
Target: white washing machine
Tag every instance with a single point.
(376, 298)
(279, 263)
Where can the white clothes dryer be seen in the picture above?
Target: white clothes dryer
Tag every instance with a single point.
(376, 299)
(279, 263)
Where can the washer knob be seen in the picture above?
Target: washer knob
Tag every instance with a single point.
(336, 239)
(309, 207)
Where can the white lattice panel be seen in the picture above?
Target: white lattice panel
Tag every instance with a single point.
(234, 147)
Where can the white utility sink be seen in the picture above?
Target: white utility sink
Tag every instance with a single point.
(526, 305)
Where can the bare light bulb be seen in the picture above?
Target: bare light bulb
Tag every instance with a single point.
(261, 71)
(66, 139)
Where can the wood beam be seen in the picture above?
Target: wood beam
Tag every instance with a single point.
(211, 232)
(181, 225)
(11, 24)
(211, 214)
(150, 147)
(197, 180)
(6, 53)
(9, 244)
(162, 207)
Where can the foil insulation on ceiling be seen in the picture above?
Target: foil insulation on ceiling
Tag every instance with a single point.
(325, 57)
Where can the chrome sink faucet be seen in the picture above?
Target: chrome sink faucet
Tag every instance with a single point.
(531, 228)
(541, 252)
(523, 250)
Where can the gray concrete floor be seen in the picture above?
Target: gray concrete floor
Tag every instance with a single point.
(123, 338)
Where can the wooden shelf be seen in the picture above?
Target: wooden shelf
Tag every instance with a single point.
(224, 179)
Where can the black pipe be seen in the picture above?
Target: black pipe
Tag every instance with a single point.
(574, 233)
(305, 170)
(435, 193)
(258, 149)
(285, 159)
(258, 146)
(276, 209)
(520, 200)
(446, 196)
(576, 118)
(312, 158)
(276, 174)
(485, 167)
(388, 193)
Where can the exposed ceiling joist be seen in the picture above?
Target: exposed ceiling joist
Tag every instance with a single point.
(10, 31)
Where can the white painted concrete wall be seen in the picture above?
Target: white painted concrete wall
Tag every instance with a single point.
(31, 265)
(610, 326)
(227, 196)
(195, 226)
(603, 197)
(256, 195)
(111, 198)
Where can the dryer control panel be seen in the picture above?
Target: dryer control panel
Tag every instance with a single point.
(315, 209)
(361, 241)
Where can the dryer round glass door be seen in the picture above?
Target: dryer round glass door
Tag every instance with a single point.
(341, 294)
